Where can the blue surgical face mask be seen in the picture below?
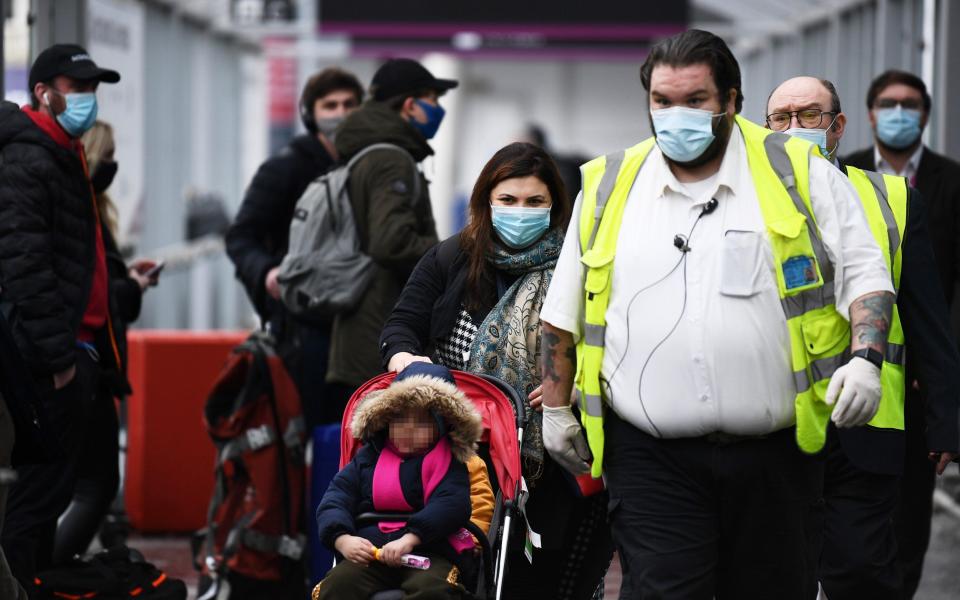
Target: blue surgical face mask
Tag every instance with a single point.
(434, 117)
(683, 134)
(817, 137)
(518, 226)
(898, 127)
(80, 114)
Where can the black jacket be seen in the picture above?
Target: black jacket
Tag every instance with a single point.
(257, 240)
(932, 357)
(396, 228)
(430, 302)
(47, 252)
(938, 179)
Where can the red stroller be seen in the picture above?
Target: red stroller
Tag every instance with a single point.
(504, 416)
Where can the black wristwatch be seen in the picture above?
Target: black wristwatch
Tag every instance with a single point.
(870, 354)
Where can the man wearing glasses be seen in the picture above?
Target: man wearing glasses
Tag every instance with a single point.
(899, 108)
(865, 464)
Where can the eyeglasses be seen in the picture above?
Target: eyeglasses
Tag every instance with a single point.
(892, 103)
(810, 118)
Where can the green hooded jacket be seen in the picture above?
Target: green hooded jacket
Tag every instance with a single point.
(395, 229)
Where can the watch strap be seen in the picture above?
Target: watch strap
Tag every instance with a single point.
(874, 356)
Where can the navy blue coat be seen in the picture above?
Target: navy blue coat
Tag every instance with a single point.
(351, 494)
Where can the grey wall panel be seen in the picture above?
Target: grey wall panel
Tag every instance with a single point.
(850, 48)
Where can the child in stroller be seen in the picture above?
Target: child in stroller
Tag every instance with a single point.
(418, 434)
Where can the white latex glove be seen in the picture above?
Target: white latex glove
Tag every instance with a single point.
(858, 384)
(563, 439)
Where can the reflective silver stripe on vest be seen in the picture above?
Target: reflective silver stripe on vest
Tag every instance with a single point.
(893, 232)
(590, 404)
(895, 354)
(821, 369)
(775, 145)
(824, 368)
(801, 380)
(793, 306)
(610, 171)
(593, 335)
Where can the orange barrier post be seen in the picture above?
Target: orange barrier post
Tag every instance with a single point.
(169, 467)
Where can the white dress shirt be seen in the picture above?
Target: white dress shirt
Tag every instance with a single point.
(714, 352)
(909, 170)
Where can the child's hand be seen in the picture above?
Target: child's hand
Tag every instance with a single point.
(355, 549)
(390, 553)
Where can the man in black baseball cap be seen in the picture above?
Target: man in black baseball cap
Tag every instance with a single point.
(69, 60)
(54, 286)
(391, 202)
(63, 83)
(402, 75)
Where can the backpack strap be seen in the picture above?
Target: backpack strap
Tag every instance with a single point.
(417, 183)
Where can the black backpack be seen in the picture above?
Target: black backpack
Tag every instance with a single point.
(110, 574)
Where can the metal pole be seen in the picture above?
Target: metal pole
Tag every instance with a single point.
(3, 60)
(929, 52)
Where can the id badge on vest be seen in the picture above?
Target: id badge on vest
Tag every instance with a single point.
(799, 271)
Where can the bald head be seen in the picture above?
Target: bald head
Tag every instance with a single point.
(805, 93)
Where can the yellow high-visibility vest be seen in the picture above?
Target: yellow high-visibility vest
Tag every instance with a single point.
(819, 335)
(884, 200)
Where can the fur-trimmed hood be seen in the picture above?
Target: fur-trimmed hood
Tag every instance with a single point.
(464, 426)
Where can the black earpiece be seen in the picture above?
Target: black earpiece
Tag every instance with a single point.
(681, 243)
(710, 206)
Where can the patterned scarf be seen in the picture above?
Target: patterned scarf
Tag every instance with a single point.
(507, 344)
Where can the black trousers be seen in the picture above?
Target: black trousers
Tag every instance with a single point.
(576, 542)
(42, 492)
(10, 589)
(859, 557)
(699, 519)
(305, 350)
(98, 478)
(913, 513)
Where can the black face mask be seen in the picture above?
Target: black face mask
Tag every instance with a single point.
(103, 175)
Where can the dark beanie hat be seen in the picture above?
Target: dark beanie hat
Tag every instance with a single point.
(425, 369)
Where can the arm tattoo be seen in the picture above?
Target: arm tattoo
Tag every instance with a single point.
(552, 370)
(550, 340)
(870, 321)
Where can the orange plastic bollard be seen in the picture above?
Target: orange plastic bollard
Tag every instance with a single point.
(169, 466)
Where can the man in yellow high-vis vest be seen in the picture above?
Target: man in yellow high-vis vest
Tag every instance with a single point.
(702, 309)
(864, 464)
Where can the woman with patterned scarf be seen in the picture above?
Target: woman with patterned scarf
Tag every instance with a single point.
(473, 303)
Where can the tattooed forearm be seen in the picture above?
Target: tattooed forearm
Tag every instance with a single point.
(559, 365)
(550, 342)
(870, 321)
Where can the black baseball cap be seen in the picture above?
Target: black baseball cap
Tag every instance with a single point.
(400, 76)
(69, 60)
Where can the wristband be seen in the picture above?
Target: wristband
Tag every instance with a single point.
(871, 355)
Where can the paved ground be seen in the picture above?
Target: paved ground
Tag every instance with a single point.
(941, 580)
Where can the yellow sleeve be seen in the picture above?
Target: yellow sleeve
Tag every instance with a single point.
(481, 493)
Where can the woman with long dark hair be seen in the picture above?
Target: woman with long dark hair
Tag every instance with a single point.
(473, 303)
